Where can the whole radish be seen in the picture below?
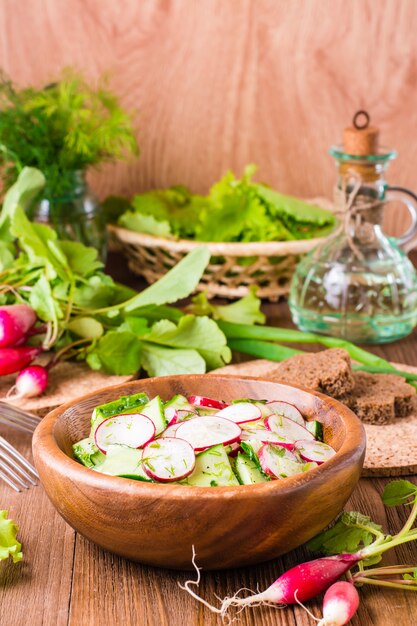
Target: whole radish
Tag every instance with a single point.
(14, 359)
(340, 604)
(15, 321)
(298, 584)
(31, 382)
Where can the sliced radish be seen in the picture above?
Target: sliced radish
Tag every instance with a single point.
(278, 461)
(315, 451)
(170, 431)
(286, 427)
(241, 412)
(267, 436)
(287, 410)
(171, 415)
(133, 430)
(168, 459)
(211, 430)
(203, 401)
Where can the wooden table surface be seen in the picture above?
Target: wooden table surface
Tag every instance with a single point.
(66, 581)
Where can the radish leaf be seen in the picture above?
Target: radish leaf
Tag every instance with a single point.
(162, 361)
(199, 333)
(399, 492)
(350, 533)
(116, 353)
(178, 283)
(243, 311)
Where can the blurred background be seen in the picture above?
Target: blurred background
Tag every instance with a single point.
(217, 84)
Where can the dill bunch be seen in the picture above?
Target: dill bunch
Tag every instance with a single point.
(65, 127)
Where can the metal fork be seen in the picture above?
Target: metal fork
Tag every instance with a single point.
(13, 416)
(15, 470)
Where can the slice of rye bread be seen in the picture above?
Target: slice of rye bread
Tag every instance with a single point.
(67, 381)
(328, 371)
(380, 398)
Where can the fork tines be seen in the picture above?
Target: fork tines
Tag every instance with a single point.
(13, 416)
(15, 470)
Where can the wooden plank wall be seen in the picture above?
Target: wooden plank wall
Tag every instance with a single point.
(220, 83)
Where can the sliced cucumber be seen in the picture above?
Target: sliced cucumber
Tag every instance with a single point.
(124, 404)
(247, 471)
(179, 402)
(155, 411)
(316, 429)
(251, 448)
(212, 469)
(124, 461)
(87, 453)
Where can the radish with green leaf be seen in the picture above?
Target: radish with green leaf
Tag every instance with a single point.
(354, 541)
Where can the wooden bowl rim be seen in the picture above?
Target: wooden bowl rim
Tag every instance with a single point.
(45, 446)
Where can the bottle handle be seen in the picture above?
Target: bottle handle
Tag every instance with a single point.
(408, 198)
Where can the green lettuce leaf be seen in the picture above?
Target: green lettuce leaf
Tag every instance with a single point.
(9, 545)
(176, 284)
(199, 333)
(145, 224)
(162, 361)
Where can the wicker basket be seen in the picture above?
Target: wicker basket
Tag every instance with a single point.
(233, 267)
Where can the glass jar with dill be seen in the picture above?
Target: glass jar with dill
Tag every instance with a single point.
(63, 129)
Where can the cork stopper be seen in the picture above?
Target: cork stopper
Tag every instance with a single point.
(361, 139)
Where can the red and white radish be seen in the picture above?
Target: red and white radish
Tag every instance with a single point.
(171, 415)
(241, 412)
(314, 451)
(298, 584)
(184, 414)
(287, 410)
(340, 604)
(170, 431)
(133, 430)
(206, 402)
(286, 427)
(15, 322)
(278, 461)
(267, 436)
(211, 430)
(30, 382)
(168, 459)
(15, 359)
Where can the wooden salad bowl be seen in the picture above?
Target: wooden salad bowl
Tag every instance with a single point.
(158, 524)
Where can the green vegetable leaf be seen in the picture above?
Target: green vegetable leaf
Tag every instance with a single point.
(81, 259)
(9, 545)
(6, 255)
(178, 283)
(43, 302)
(199, 333)
(137, 325)
(399, 492)
(21, 194)
(97, 291)
(243, 311)
(145, 224)
(162, 361)
(412, 576)
(116, 353)
(350, 533)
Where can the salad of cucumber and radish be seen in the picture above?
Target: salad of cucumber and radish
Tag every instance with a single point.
(201, 441)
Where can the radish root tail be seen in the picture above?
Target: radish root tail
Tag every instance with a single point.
(196, 582)
(316, 619)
